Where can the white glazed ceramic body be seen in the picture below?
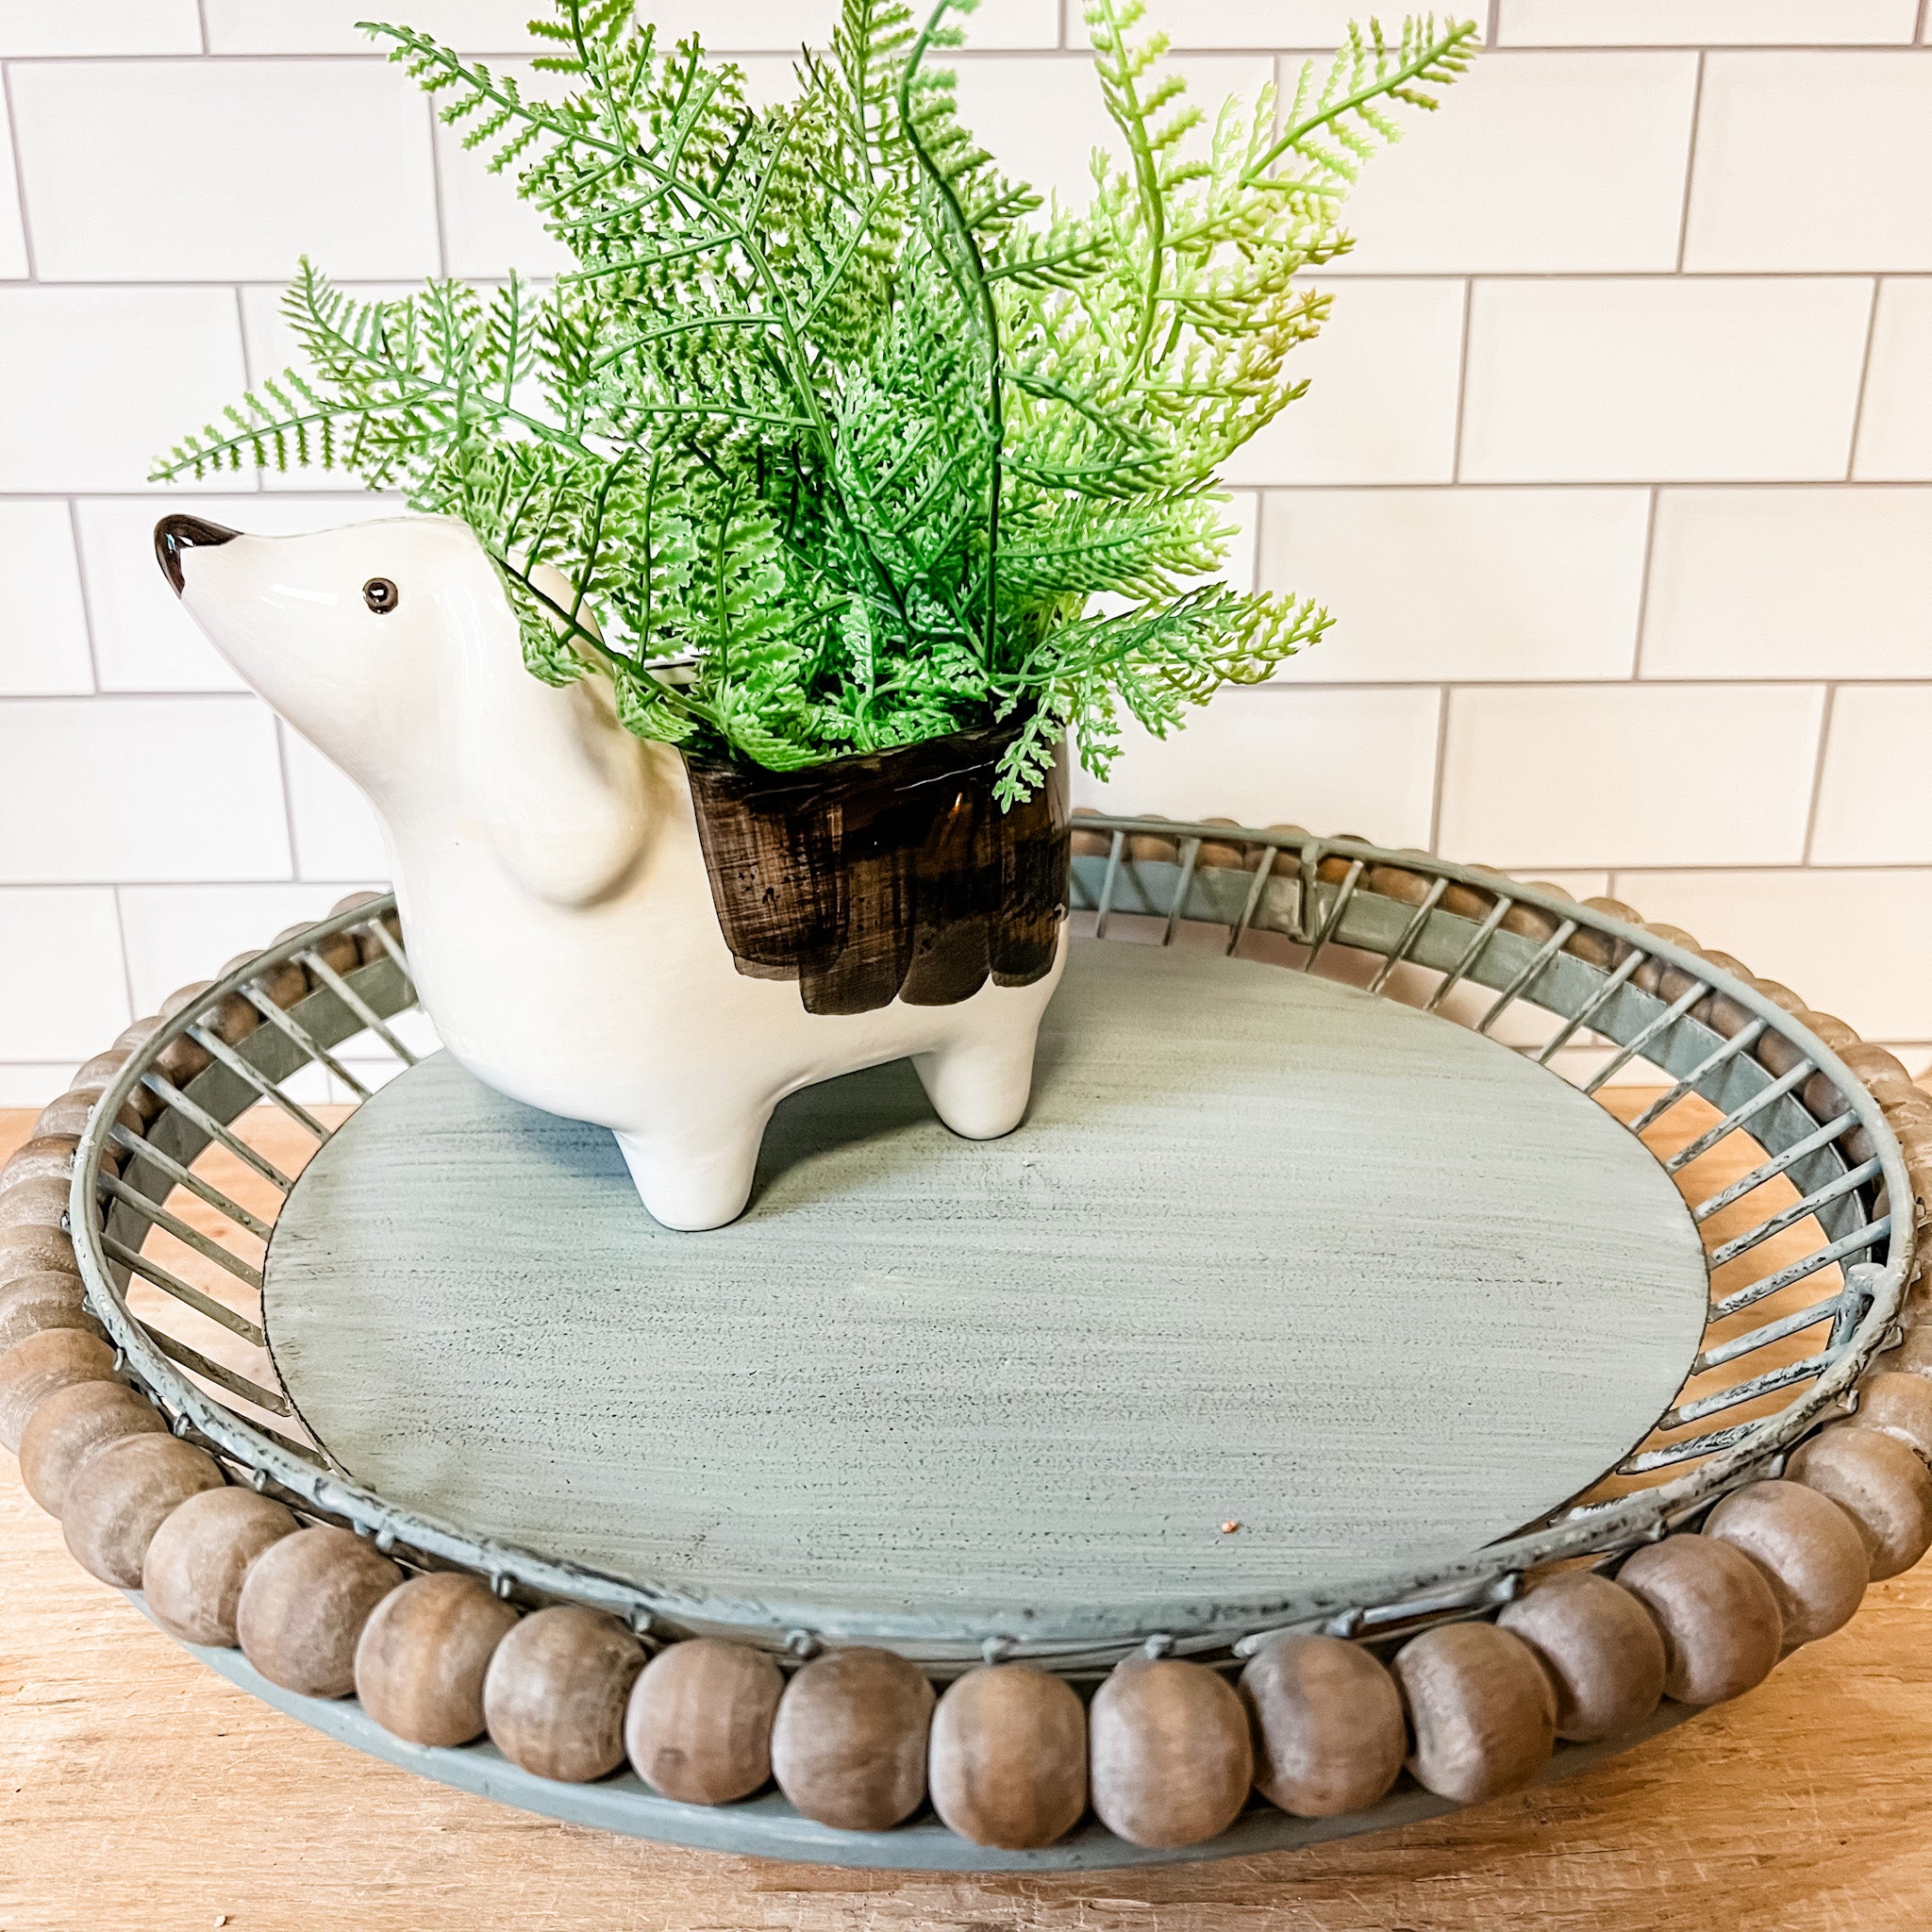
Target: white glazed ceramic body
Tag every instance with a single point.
(558, 909)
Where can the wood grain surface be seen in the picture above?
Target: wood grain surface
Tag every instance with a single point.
(139, 1790)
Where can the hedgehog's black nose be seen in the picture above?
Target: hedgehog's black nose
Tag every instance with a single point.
(173, 535)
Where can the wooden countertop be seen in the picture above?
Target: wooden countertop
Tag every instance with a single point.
(139, 1790)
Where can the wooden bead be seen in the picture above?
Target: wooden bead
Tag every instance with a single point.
(423, 1654)
(1650, 976)
(1598, 1646)
(132, 1037)
(1899, 1405)
(1601, 948)
(285, 985)
(1171, 1759)
(849, 1742)
(339, 952)
(1088, 844)
(1326, 1723)
(1221, 855)
(1397, 882)
(1721, 1626)
(35, 1251)
(47, 1157)
(39, 1364)
(122, 1494)
(1467, 902)
(38, 1203)
(1335, 867)
(71, 1112)
(1482, 1712)
(303, 1605)
(63, 1433)
(32, 1303)
(554, 1696)
(1154, 848)
(1809, 1550)
(1779, 994)
(1009, 1759)
(699, 1724)
(200, 1558)
(1879, 1484)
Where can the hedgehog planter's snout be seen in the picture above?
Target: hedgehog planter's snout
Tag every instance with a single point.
(173, 535)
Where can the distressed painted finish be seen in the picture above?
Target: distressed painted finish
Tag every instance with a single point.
(1268, 1251)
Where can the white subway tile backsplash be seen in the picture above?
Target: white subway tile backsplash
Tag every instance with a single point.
(1661, 379)
(1383, 381)
(144, 639)
(487, 229)
(43, 647)
(1702, 23)
(337, 833)
(1815, 931)
(1462, 585)
(94, 383)
(62, 993)
(85, 795)
(1764, 197)
(329, 26)
(1895, 419)
(179, 934)
(1791, 583)
(98, 26)
(1333, 761)
(224, 171)
(1537, 164)
(1873, 804)
(29, 1085)
(1043, 116)
(1629, 774)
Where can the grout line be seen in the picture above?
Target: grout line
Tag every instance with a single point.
(1338, 275)
(1461, 381)
(1864, 374)
(86, 608)
(201, 21)
(1690, 160)
(134, 1013)
(1644, 583)
(1492, 26)
(1825, 718)
(27, 226)
(288, 801)
(1919, 23)
(436, 188)
(1442, 698)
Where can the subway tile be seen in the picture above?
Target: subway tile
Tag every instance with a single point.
(1383, 379)
(1043, 117)
(1245, 23)
(43, 642)
(1789, 583)
(1873, 804)
(98, 26)
(499, 26)
(96, 789)
(1462, 585)
(1662, 379)
(1334, 760)
(338, 835)
(1895, 419)
(329, 26)
(63, 993)
(1854, 943)
(1629, 774)
(145, 642)
(29, 1085)
(94, 383)
(1852, 196)
(1535, 163)
(1702, 23)
(487, 230)
(179, 934)
(14, 265)
(224, 171)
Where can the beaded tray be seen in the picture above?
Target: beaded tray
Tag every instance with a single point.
(1333, 1290)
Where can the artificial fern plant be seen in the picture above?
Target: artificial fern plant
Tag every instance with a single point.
(834, 434)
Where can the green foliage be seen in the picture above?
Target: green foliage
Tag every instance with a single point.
(833, 436)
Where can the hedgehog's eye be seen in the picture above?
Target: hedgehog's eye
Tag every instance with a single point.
(380, 595)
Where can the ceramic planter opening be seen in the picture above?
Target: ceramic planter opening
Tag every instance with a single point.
(887, 876)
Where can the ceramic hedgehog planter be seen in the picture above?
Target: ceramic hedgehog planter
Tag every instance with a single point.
(587, 939)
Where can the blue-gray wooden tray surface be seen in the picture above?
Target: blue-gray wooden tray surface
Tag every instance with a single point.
(1267, 1251)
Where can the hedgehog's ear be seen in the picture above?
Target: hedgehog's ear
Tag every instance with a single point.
(556, 783)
